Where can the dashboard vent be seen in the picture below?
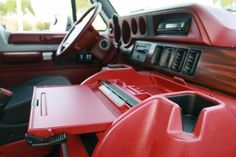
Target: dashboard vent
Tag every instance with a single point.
(179, 59)
(166, 57)
(157, 55)
(167, 62)
(191, 62)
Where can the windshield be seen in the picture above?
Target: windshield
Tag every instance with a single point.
(125, 7)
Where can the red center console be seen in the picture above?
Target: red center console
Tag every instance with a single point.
(119, 101)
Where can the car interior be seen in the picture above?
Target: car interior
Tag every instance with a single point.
(156, 83)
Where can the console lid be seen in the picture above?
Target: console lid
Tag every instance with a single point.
(67, 109)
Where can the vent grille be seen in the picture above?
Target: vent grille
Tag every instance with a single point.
(166, 57)
(191, 62)
(169, 54)
(179, 59)
(157, 55)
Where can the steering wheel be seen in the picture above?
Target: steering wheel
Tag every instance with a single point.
(78, 30)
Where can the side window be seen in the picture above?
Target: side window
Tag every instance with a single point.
(82, 6)
(99, 23)
(36, 15)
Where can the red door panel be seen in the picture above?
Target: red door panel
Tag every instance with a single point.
(18, 65)
(35, 38)
(13, 74)
(21, 57)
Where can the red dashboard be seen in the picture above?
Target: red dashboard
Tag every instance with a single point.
(209, 32)
(209, 26)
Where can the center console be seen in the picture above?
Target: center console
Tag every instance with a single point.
(59, 114)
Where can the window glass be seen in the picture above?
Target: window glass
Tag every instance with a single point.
(82, 6)
(124, 7)
(35, 15)
(99, 23)
(43, 15)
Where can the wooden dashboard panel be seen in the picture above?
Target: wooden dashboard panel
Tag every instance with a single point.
(217, 68)
(211, 33)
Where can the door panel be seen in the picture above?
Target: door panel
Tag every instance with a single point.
(13, 74)
(22, 59)
(35, 38)
(18, 42)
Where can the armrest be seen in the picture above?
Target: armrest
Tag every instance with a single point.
(5, 96)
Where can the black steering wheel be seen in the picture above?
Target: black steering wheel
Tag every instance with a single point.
(78, 30)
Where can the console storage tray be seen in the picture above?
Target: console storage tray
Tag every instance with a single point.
(191, 106)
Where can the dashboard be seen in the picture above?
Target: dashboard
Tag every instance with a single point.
(191, 24)
(181, 41)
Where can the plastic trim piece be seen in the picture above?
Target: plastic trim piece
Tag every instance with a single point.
(129, 100)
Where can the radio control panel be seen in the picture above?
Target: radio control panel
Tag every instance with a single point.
(174, 26)
(141, 50)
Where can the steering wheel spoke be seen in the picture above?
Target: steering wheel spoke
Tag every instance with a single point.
(79, 29)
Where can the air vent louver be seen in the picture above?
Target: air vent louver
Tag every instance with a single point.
(168, 58)
(179, 59)
(191, 62)
(157, 55)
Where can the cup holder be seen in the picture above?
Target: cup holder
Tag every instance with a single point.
(191, 106)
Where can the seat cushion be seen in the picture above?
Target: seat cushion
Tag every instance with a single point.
(18, 108)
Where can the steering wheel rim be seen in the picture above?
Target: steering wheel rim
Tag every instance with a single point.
(65, 47)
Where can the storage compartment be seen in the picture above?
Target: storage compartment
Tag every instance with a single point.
(191, 106)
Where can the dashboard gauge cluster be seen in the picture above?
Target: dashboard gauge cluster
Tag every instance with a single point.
(125, 29)
(132, 28)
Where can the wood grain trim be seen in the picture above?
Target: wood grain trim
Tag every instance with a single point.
(35, 38)
(217, 69)
(21, 57)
